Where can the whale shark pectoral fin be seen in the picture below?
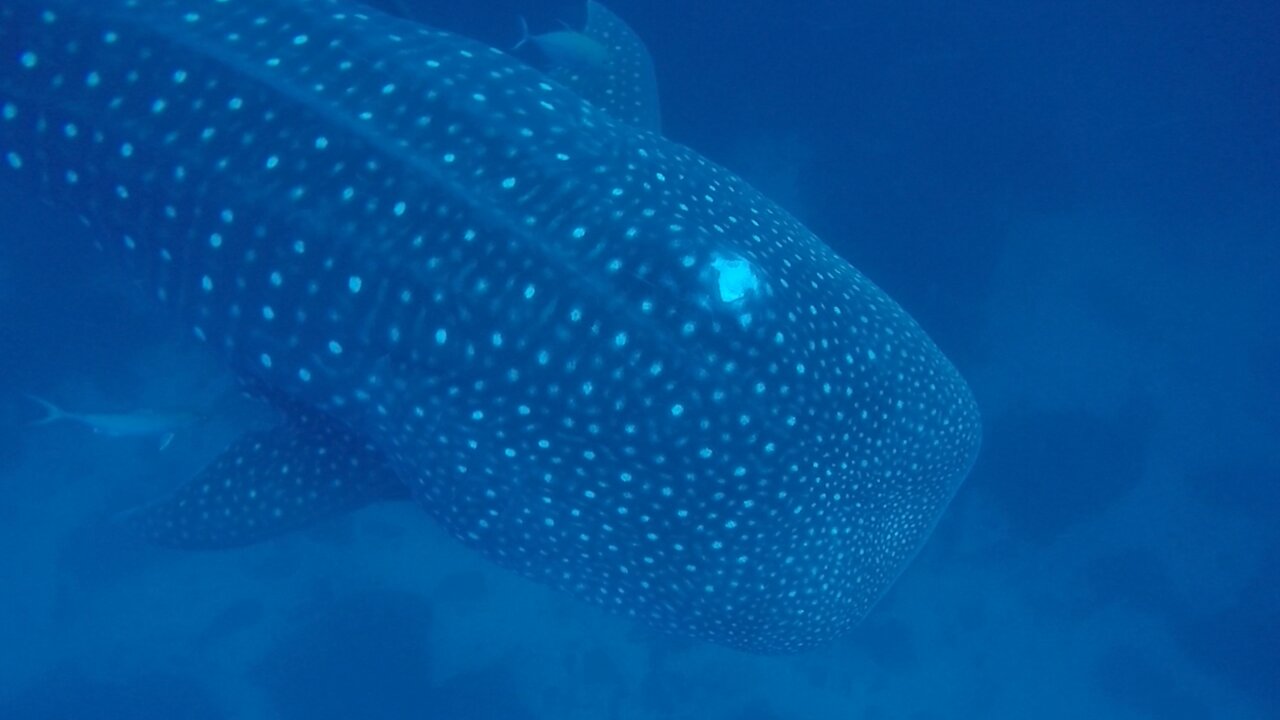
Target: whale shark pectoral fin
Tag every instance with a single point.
(268, 483)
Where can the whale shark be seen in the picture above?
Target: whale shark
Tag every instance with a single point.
(591, 354)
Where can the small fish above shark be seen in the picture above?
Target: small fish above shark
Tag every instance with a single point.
(605, 62)
(591, 354)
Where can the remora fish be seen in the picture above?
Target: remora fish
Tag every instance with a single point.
(133, 424)
(593, 355)
(606, 62)
(142, 422)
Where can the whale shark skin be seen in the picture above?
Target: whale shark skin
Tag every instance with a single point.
(591, 354)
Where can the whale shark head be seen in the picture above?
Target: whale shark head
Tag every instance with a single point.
(591, 354)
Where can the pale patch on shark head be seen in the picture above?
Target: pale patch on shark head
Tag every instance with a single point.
(735, 277)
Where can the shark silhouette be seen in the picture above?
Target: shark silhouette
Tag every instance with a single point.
(588, 352)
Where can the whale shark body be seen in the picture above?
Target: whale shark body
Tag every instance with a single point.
(589, 353)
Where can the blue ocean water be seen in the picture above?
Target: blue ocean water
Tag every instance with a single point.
(1079, 202)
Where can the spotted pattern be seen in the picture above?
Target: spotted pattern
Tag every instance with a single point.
(270, 482)
(589, 353)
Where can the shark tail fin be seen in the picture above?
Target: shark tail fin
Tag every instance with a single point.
(52, 413)
(524, 35)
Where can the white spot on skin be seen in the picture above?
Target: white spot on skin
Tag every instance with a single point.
(736, 278)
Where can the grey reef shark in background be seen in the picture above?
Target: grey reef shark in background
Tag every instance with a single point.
(588, 352)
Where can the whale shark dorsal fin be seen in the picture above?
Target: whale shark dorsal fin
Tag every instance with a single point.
(607, 64)
(267, 483)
